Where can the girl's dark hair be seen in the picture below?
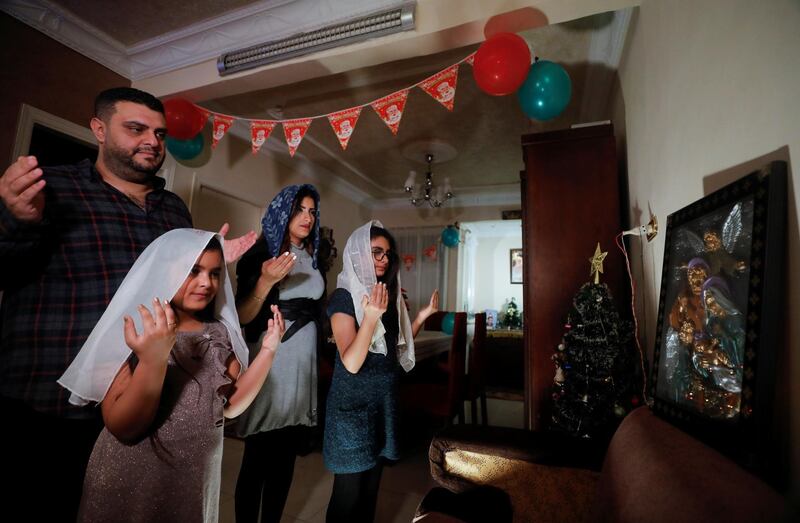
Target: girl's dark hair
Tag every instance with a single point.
(390, 276)
(213, 245)
(308, 242)
(207, 314)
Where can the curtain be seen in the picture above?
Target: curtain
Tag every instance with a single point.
(423, 264)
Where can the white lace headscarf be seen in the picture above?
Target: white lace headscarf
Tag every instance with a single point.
(159, 272)
(358, 278)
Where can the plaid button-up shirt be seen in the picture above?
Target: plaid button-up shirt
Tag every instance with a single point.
(59, 275)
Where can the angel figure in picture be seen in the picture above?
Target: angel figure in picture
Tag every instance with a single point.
(718, 246)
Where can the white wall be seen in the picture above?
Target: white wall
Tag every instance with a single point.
(445, 215)
(493, 288)
(710, 87)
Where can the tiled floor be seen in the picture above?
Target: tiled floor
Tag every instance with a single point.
(402, 485)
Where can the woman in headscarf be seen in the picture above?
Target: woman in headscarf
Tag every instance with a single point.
(282, 269)
(374, 339)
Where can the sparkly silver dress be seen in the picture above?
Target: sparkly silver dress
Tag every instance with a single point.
(173, 473)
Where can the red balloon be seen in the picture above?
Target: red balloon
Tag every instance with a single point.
(184, 120)
(501, 64)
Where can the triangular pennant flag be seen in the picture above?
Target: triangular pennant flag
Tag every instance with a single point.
(344, 123)
(205, 112)
(470, 59)
(221, 126)
(390, 108)
(295, 130)
(259, 132)
(442, 86)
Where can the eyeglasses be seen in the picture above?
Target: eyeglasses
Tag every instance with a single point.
(380, 254)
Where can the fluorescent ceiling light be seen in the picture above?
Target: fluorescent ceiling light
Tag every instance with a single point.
(379, 24)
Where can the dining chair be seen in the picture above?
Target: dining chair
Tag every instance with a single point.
(434, 321)
(475, 388)
(443, 398)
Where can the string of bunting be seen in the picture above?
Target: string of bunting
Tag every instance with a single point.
(500, 66)
(440, 86)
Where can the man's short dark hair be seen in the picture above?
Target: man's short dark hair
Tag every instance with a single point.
(105, 101)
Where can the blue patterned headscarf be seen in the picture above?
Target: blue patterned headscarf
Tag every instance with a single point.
(275, 220)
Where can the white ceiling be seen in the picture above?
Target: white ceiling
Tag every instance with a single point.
(149, 40)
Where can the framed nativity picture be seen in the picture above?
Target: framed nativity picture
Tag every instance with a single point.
(719, 313)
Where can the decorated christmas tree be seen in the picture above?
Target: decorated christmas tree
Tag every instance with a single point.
(596, 381)
(512, 319)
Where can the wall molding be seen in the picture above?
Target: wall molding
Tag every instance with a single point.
(605, 53)
(249, 25)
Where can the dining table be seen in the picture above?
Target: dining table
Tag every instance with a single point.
(428, 344)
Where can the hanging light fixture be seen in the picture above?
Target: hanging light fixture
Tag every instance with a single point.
(426, 193)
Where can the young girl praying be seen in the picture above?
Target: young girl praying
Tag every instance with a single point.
(166, 384)
(374, 340)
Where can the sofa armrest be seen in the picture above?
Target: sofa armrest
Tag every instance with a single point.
(655, 472)
(547, 476)
(535, 448)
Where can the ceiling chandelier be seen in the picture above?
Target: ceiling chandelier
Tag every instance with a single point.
(426, 193)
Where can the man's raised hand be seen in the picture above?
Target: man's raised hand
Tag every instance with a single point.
(21, 189)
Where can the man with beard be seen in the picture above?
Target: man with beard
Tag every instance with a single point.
(68, 236)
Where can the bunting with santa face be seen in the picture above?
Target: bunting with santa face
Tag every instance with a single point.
(344, 123)
(390, 108)
(259, 132)
(221, 125)
(442, 86)
(295, 130)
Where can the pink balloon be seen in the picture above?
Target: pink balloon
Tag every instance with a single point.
(501, 64)
(184, 120)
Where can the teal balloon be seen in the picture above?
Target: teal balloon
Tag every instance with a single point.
(448, 322)
(450, 236)
(185, 149)
(546, 91)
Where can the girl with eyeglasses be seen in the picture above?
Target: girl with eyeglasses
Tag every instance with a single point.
(374, 340)
(280, 269)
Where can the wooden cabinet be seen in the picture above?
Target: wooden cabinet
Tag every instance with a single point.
(570, 201)
(504, 373)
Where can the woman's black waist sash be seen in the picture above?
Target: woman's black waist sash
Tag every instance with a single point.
(301, 311)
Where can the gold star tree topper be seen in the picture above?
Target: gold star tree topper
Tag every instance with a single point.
(597, 263)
